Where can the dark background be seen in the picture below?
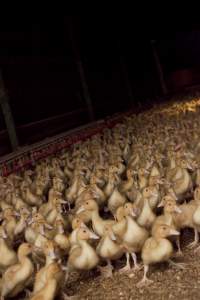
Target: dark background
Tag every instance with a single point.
(40, 74)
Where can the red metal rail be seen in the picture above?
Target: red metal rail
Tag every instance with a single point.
(28, 156)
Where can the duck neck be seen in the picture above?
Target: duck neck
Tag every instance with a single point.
(3, 243)
(83, 243)
(172, 163)
(22, 257)
(49, 260)
(95, 216)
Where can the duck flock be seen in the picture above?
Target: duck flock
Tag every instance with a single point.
(129, 191)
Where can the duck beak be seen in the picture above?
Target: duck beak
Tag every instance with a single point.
(42, 230)
(52, 254)
(174, 232)
(112, 236)
(93, 236)
(30, 221)
(154, 194)
(63, 202)
(81, 209)
(4, 235)
(177, 210)
(161, 204)
(16, 214)
(36, 248)
(48, 226)
(133, 213)
(189, 167)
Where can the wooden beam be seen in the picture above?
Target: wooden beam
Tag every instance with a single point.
(5, 106)
(159, 69)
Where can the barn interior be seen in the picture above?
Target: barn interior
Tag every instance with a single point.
(99, 129)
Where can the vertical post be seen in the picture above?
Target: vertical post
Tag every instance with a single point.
(4, 102)
(125, 76)
(81, 72)
(159, 69)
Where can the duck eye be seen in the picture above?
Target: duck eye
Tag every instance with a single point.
(84, 231)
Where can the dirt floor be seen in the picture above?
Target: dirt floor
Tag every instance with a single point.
(169, 283)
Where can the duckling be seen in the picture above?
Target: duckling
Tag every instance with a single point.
(77, 223)
(23, 221)
(61, 238)
(49, 250)
(129, 183)
(182, 184)
(110, 184)
(109, 249)
(170, 207)
(133, 238)
(18, 276)
(115, 200)
(9, 222)
(17, 201)
(157, 249)
(143, 178)
(8, 256)
(98, 223)
(31, 198)
(147, 216)
(51, 283)
(82, 256)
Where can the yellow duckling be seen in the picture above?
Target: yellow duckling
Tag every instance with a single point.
(129, 183)
(109, 188)
(109, 249)
(182, 183)
(17, 277)
(115, 200)
(51, 284)
(8, 256)
(157, 249)
(31, 198)
(61, 238)
(133, 238)
(77, 223)
(147, 216)
(10, 222)
(170, 207)
(143, 178)
(17, 201)
(50, 255)
(23, 221)
(45, 208)
(98, 223)
(82, 256)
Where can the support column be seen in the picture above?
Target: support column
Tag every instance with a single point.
(159, 69)
(5, 106)
(81, 72)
